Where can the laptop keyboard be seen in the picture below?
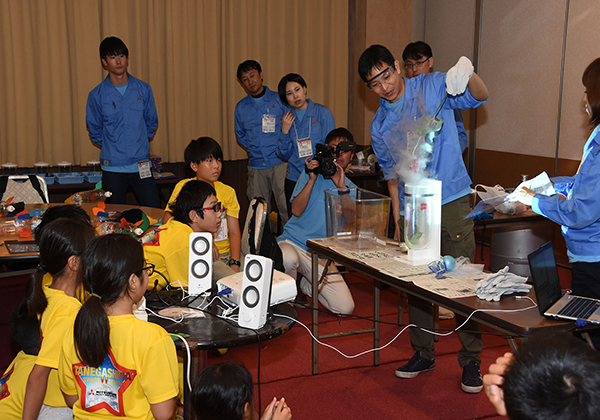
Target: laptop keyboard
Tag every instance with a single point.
(579, 308)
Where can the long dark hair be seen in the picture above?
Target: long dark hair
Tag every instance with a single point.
(591, 81)
(60, 240)
(107, 264)
(221, 391)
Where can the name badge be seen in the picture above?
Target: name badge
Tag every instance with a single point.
(268, 123)
(144, 169)
(304, 148)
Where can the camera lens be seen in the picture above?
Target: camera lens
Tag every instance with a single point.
(328, 168)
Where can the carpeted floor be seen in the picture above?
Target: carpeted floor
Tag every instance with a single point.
(352, 388)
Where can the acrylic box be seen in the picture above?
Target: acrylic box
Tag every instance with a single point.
(356, 212)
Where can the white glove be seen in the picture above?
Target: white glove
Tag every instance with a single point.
(458, 76)
(523, 196)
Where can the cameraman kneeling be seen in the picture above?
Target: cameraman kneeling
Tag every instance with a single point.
(308, 220)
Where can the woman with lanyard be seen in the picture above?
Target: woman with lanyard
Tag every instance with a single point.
(576, 206)
(305, 125)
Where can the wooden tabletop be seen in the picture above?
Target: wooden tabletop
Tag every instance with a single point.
(88, 207)
(512, 323)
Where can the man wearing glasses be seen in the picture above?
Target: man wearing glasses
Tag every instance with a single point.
(196, 209)
(418, 59)
(403, 103)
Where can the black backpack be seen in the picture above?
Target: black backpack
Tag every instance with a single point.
(257, 234)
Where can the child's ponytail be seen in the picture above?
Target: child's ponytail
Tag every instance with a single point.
(107, 264)
(60, 240)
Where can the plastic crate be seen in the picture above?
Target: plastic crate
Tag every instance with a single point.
(92, 177)
(69, 178)
(48, 177)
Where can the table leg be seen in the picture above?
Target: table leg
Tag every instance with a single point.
(513, 344)
(376, 318)
(315, 312)
(198, 362)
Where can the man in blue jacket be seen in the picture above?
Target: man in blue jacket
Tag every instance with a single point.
(404, 102)
(121, 119)
(418, 59)
(257, 128)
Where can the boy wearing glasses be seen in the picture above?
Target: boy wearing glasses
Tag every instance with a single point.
(196, 209)
(403, 103)
(418, 59)
(205, 157)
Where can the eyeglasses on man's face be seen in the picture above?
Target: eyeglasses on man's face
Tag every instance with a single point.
(415, 64)
(383, 77)
(216, 208)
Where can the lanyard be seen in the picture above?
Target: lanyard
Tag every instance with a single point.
(309, 128)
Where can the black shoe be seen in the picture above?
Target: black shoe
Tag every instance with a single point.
(471, 378)
(415, 365)
(301, 300)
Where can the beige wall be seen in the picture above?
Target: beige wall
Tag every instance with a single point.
(385, 22)
(520, 60)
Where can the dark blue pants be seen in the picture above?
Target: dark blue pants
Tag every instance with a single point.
(145, 190)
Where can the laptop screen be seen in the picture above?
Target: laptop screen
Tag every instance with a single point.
(544, 276)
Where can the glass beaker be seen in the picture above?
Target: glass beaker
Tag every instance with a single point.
(41, 168)
(64, 167)
(418, 215)
(93, 166)
(9, 168)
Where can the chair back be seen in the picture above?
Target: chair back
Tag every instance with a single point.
(29, 189)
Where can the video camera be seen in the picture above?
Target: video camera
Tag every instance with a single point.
(326, 155)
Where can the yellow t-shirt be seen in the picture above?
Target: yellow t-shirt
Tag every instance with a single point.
(226, 195)
(55, 322)
(140, 369)
(168, 250)
(13, 384)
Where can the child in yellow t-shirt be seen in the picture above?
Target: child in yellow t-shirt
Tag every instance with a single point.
(55, 306)
(111, 363)
(25, 330)
(205, 157)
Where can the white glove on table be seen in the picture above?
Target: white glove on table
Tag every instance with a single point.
(458, 76)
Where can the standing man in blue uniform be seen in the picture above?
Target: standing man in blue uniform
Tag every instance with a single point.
(121, 118)
(404, 101)
(418, 59)
(258, 127)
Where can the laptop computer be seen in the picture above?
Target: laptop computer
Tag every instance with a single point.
(551, 302)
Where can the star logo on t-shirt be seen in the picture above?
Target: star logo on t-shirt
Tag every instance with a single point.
(3, 383)
(103, 387)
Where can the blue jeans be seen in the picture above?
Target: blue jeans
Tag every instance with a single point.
(145, 190)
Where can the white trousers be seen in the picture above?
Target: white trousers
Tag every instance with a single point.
(333, 291)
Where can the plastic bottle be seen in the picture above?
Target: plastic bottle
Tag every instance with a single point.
(35, 220)
(443, 265)
(90, 196)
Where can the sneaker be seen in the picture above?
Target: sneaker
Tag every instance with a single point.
(415, 365)
(471, 378)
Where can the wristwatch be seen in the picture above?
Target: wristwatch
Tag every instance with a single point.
(233, 262)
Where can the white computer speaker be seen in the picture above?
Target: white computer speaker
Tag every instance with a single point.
(200, 263)
(256, 291)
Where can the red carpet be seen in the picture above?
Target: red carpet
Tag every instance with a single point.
(354, 388)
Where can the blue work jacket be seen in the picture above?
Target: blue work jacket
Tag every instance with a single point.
(122, 124)
(579, 214)
(317, 123)
(261, 147)
(423, 94)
